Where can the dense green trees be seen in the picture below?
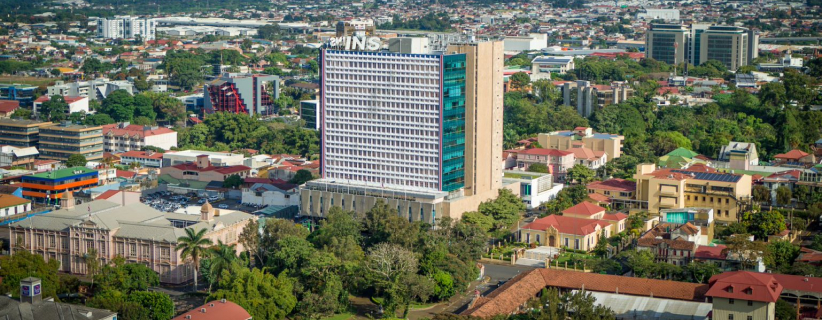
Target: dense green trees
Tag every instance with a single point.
(228, 131)
(55, 109)
(76, 160)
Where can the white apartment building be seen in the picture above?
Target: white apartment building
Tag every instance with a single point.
(75, 104)
(125, 137)
(126, 27)
(217, 159)
(382, 119)
(531, 42)
(543, 66)
(97, 89)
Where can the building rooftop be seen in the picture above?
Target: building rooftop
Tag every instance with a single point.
(8, 200)
(567, 225)
(545, 152)
(142, 155)
(134, 130)
(584, 208)
(745, 285)
(508, 298)
(216, 310)
(615, 184)
(23, 123)
(62, 173)
(11, 309)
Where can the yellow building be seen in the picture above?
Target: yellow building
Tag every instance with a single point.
(579, 227)
(696, 186)
(585, 137)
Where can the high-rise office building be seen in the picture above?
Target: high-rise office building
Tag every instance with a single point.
(697, 43)
(730, 45)
(666, 43)
(422, 132)
(126, 27)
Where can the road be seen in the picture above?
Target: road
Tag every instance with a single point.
(500, 272)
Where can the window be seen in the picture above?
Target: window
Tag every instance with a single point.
(730, 317)
(730, 301)
(750, 303)
(750, 317)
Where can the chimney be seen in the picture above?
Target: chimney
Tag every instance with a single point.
(31, 290)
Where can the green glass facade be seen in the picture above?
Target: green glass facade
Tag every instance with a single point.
(453, 122)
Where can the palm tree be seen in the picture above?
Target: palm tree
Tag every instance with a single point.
(193, 245)
(222, 256)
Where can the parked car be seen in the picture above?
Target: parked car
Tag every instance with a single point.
(223, 206)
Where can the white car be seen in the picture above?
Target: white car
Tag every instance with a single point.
(223, 206)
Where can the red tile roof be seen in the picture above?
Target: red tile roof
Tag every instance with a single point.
(545, 152)
(134, 130)
(792, 155)
(673, 244)
(7, 106)
(508, 298)
(599, 197)
(68, 99)
(711, 253)
(619, 216)
(142, 155)
(809, 255)
(799, 283)
(586, 153)
(584, 208)
(745, 285)
(216, 310)
(613, 185)
(108, 194)
(567, 225)
(125, 174)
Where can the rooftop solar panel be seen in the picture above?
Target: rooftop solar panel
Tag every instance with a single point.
(721, 177)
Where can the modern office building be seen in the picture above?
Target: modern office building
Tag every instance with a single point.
(309, 112)
(242, 93)
(11, 156)
(21, 133)
(126, 27)
(51, 185)
(97, 89)
(667, 43)
(60, 141)
(20, 92)
(733, 46)
(423, 132)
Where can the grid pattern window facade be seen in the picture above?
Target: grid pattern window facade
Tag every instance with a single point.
(664, 49)
(721, 48)
(382, 116)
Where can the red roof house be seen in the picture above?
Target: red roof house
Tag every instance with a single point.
(745, 285)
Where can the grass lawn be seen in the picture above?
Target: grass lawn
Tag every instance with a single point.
(341, 316)
(33, 81)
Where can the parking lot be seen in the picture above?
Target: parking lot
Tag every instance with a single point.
(169, 202)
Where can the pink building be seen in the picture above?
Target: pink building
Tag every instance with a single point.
(202, 170)
(558, 161)
(134, 231)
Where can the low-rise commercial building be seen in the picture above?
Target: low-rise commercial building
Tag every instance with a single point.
(219, 159)
(75, 104)
(60, 141)
(272, 194)
(557, 161)
(148, 159)
(50, 185)
(543, 66)
(585, 137)
(21, 133)
(125, 137)
(579, 227)
(202, 170)
(11, 156)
